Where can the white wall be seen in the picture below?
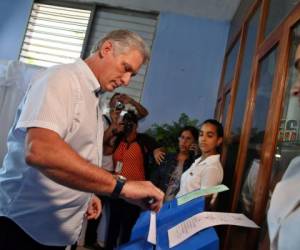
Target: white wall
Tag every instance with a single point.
(185, 67)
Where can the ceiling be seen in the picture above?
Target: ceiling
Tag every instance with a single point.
(222, 10)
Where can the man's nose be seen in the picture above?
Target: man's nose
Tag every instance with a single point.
(126, 78)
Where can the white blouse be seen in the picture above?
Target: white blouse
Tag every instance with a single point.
(201, 174)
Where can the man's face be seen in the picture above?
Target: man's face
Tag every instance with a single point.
(295, 91)
(117, 70)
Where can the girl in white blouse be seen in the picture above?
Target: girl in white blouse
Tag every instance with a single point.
(207, 170)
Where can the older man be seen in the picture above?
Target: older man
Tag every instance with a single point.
(284, 211)
(55, 149)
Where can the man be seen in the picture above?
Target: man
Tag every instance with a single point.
(55, 149)
(284, 211)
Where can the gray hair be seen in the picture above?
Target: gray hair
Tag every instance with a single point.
(123, 40)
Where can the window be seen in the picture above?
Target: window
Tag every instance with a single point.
(231, 62)
(288, 140)
(108, 19)
(57, 34)
(241, 100)
(244, 81)
(226, 106)
(278, 10)
(54, 35)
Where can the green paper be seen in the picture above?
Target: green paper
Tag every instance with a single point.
(201, 192)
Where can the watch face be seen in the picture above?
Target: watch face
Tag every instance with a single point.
(122, 178)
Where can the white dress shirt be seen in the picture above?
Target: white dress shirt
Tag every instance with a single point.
(63, 100)
(284, 211)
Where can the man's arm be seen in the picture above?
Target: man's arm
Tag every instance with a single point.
(47, 152)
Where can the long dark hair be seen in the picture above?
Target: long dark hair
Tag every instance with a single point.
(219, 129)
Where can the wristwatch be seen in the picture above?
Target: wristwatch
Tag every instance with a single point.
(119, 186)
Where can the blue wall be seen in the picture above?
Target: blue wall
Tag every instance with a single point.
(185, 68)
(14, 15)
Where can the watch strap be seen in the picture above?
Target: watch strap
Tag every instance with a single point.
(118, 187)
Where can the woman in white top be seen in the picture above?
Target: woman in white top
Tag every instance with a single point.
(206, 171)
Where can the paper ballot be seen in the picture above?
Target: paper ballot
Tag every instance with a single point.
(152, 229)
(200, 221)
(201, 192)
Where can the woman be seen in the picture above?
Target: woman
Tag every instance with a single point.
(168, 174)
(207, 170)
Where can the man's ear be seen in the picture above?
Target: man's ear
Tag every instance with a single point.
(106, 48)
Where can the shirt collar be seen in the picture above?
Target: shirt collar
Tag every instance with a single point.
(99, 92)
(210, 159)
(91, 80)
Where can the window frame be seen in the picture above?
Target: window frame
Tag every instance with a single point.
(281, 36)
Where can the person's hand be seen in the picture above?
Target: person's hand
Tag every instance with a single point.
(159, 155)
(195, 148)
(116, 123)
(125, 99)
(94, 208)
(141, 193)
(115, 115)
(211, 202)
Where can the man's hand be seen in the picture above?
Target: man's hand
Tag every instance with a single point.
(141, 192)
(94, 208)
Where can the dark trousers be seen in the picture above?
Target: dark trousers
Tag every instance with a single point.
(123, 216)
(12, 237)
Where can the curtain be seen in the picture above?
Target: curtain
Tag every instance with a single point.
(14, 80)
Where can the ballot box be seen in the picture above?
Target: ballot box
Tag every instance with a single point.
(169, 211)
(170, 215)
(206, 239)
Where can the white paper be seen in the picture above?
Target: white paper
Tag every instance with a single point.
(152, 229)
(200, 221)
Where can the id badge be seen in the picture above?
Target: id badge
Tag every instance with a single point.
(119, 166)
